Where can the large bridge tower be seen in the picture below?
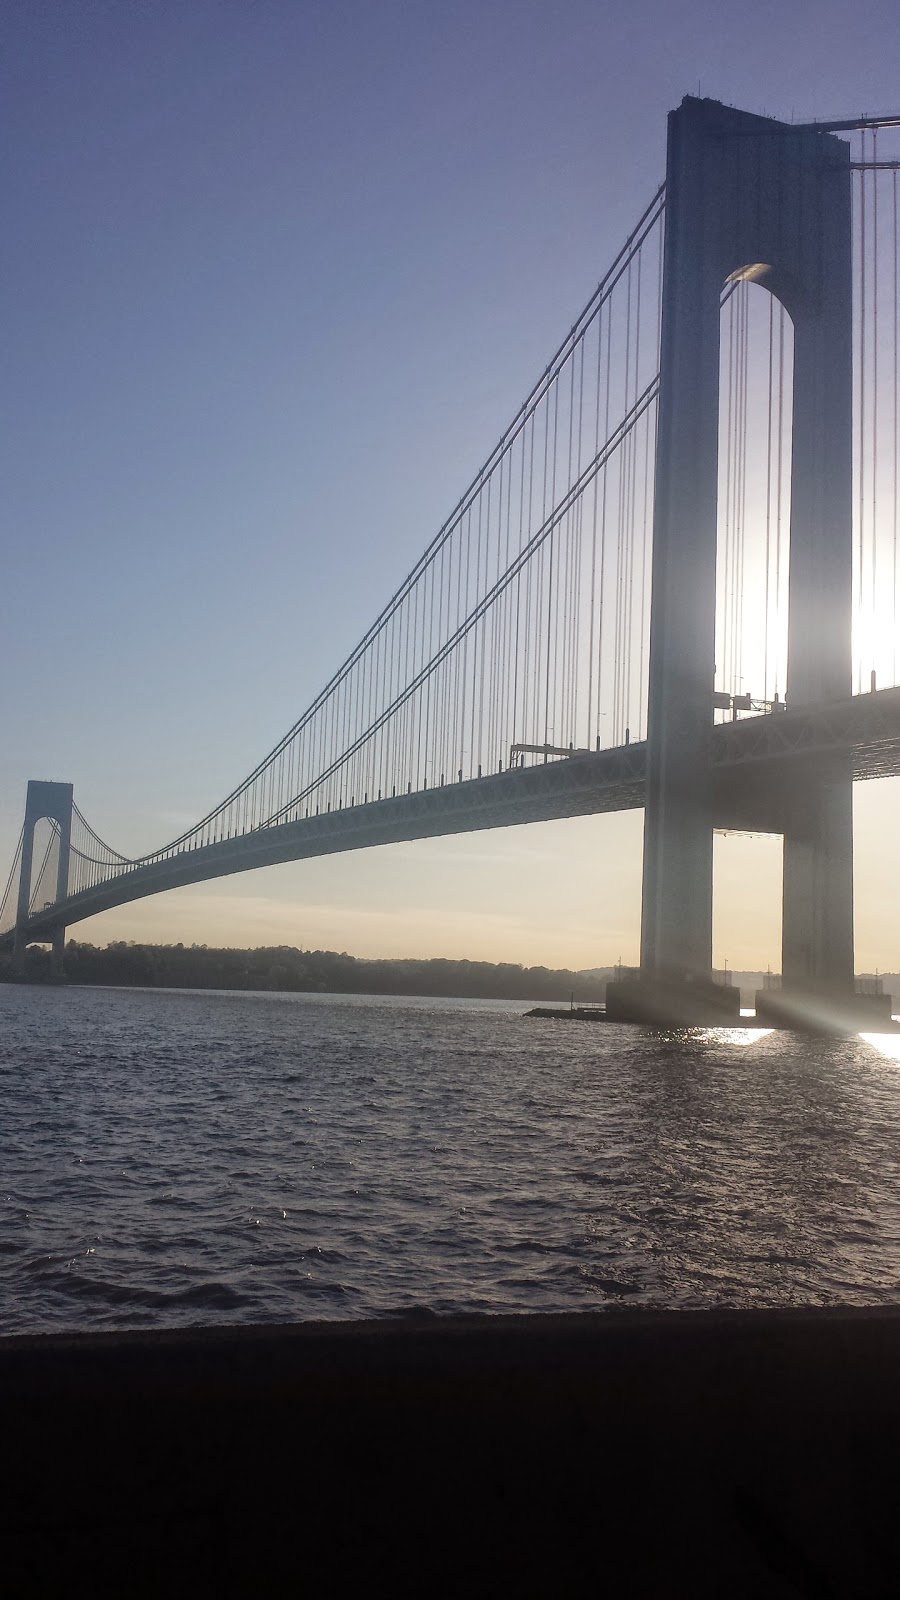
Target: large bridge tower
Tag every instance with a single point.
(51, 801)
(746, 196)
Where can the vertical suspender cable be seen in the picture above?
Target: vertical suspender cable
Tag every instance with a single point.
(895, 620)
(778, 486)
(862, 393)
(517, 668)
(576, 581)
(550, 640)
(768, 601)
(593, 585)
(874, 373)
(602, 608)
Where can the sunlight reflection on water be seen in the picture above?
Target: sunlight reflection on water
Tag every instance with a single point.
(739, 1036)
(887, 1043)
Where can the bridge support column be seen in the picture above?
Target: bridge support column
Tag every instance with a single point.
(52, 801)
(676, 923)
(817, 932)
(57, 953)
(746, 197)
(26, 865)
(817, 919)
(817, 915)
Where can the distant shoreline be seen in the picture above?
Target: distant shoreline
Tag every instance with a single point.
(284, 969)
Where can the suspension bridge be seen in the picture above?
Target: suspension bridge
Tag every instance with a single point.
(673, 584)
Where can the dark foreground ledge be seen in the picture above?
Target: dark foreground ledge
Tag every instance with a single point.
(664, 1454)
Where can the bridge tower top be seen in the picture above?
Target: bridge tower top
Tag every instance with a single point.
(46, 799)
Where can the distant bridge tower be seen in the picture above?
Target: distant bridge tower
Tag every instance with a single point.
(750, 197)
(51, 801)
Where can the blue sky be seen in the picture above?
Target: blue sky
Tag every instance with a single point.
(275, 277)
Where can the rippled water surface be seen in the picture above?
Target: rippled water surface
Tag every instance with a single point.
(176, 1158)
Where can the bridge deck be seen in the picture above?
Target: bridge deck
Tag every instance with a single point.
(752, 762)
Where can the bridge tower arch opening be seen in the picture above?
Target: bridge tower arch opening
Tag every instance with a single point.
(749, 197)
(51, 802)
(756, 362)
(756, 366)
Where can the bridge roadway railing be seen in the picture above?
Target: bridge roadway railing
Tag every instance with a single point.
(752, 761)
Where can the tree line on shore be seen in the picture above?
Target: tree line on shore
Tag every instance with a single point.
(281, 967)
(284, 968)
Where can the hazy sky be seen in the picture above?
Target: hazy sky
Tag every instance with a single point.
(275, 276)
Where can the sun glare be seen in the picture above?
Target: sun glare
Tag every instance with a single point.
(738, 1036)
(887, 1044)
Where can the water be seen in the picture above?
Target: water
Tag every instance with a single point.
(174, 1158)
